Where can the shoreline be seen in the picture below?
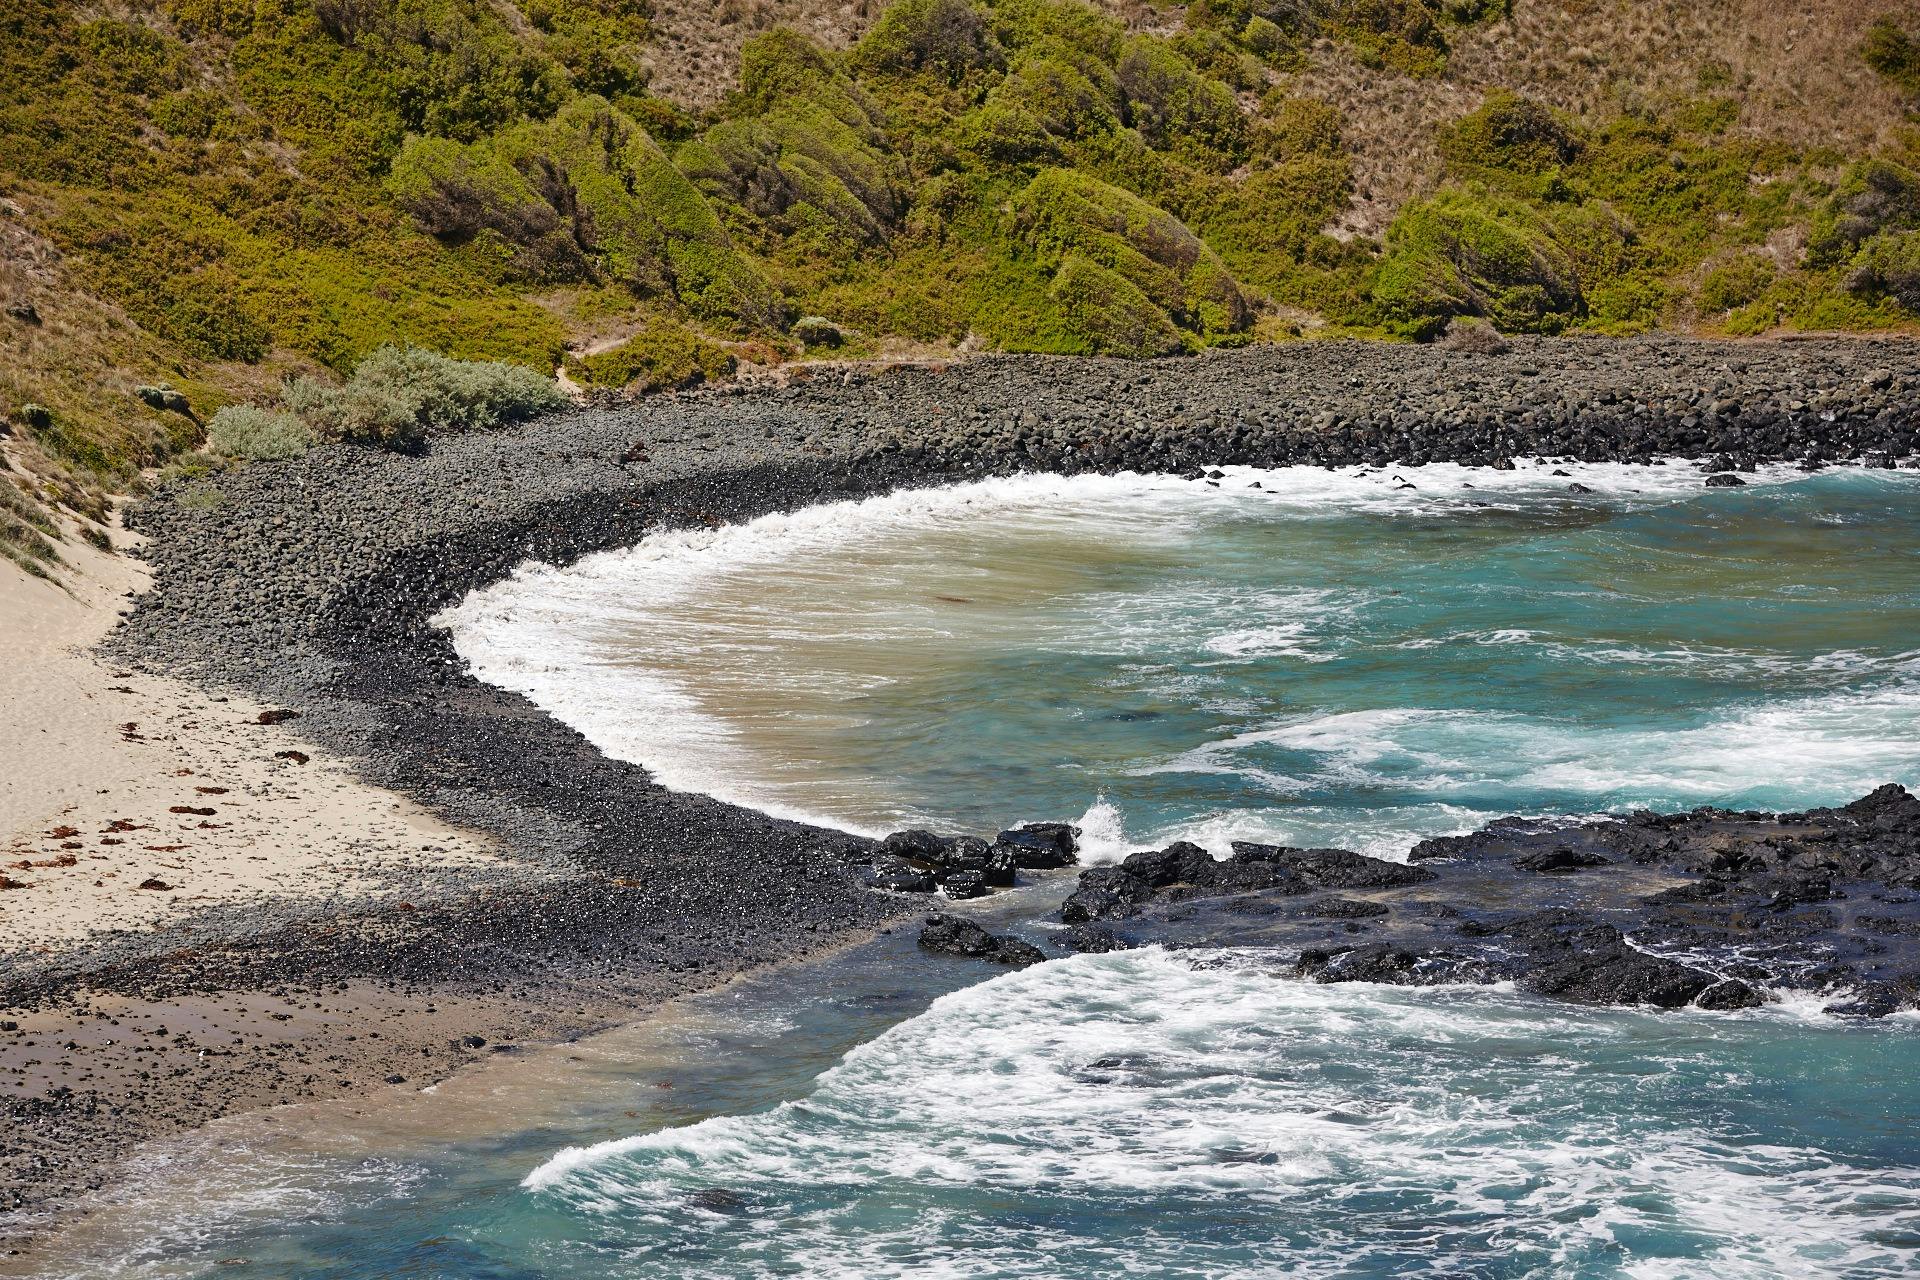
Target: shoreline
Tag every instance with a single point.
(309, 586)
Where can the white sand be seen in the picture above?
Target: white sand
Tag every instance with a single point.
(93, 760)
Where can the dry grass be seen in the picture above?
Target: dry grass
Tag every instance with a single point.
(1794, 65)
(695, 56)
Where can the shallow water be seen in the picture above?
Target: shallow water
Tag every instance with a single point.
(1327, 658)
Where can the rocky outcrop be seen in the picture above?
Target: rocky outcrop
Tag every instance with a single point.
(1714, 909)
(955, 936)
(968, 866)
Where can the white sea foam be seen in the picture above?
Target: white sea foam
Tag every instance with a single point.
(1141, 1114)
(1839, 743)
(1103, 834)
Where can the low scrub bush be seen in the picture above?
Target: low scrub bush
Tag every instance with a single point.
(1474, 337)
(947, 39)
(1736, 282)
(1177, 109)
(1064, 214)
(1889, 265)
(1510, 134)
(399, 395)
(1110, 314)
(250, 433)
(1894, 54)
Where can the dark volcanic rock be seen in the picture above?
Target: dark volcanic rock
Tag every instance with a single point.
(1177, 863)
(956, 936)
(966, 883)
(918, 846)
(1105, 892)
(1710, 908)
(1092, 939)
(999, 871)
(1346, 909)
(898, 877)
(1041, 846)
(1560, 858)
(1332, 868)
(1578, 959)
(1728, 995)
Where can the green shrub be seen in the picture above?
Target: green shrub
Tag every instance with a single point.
(664, 356)
(1893, 53)
(1390, 35)
(1462, 253)
(1175, 108)
(1873, 196)
(254, 434)
(1627, 304)
(1751, 320)
(944, 38)
(399, 395)
(1736, 282)
(1467, 12)
(815, 149)
(1110, 314)
(1265, 224)
(1296, 127)
(1024, 24)
(457, 192)
(586, 191)
(1062, 214)
(1889, 265)
(1071, 96)
(1511, 134)
(1601, 244)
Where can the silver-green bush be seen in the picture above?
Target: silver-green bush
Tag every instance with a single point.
(397, 395)
(256, 434)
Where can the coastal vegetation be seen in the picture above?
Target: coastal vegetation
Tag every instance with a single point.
(279, 212)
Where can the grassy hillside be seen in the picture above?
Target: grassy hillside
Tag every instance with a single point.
(204, 197)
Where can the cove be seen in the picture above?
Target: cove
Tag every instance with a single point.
(1356, 658)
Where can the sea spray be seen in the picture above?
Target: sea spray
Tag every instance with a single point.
(1025, 1123)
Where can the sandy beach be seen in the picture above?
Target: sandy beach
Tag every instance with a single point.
(128, 800)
